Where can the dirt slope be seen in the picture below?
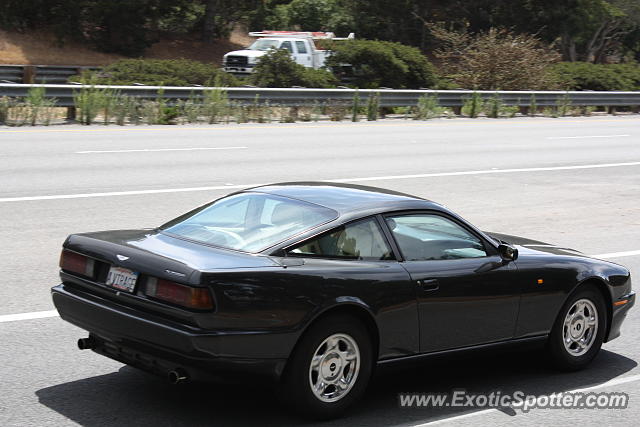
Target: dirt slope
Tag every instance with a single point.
(38, 48)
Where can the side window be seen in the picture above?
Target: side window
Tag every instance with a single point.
(301, 46)
(287, 45)
(362, 240)
(432, 237)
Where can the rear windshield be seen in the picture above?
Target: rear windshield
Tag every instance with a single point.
(249, 222)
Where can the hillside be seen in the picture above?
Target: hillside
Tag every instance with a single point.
(40, 48)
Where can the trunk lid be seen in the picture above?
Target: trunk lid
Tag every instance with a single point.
(154, 253)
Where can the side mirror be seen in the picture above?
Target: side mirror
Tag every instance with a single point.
(507, 252)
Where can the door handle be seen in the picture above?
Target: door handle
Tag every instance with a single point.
(429, 284)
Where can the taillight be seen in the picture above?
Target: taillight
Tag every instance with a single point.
(186, 296)
(76, 263)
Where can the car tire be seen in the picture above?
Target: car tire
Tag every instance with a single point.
(578, 332)
(336, 351)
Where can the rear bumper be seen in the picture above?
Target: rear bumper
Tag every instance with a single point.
(619, 314)
(159, 345)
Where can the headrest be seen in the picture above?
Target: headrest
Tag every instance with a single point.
(285, 213)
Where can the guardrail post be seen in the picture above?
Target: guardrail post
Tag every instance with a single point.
(71, 113)
(294, 113)
(28, 74)
(457, 111)
(611, 110)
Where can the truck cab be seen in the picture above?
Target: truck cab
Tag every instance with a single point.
(300, 45)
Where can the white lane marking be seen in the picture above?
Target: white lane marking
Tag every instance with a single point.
(370, 178)
(28, 316)
(485, 172)
(151, 150)
(587, 136)
(610, 383)
(617, 254)
(456, 418)
(123, 193)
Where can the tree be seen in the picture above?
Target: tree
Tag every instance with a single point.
(219, 16)
(125, 27)
(312, 15)
(584, 30)
(209, 21)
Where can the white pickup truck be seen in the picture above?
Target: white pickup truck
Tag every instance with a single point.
(300, 44)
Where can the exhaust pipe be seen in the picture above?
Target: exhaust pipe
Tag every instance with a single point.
(177, 376)
(86, 343)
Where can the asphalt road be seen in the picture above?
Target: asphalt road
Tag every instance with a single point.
(570, 181)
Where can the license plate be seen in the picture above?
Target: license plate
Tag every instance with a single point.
(122, 278)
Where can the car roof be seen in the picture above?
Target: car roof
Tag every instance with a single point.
(347, 198)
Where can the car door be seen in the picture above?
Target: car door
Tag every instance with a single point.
(288, 45)
(354, 262)
(304, 54)
(467, 294)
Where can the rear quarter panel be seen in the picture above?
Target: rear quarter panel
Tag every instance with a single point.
(287, 300)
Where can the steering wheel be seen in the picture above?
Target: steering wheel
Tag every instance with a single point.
(258, 227)
(235, 236)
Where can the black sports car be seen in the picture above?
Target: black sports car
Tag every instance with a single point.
(312, 284)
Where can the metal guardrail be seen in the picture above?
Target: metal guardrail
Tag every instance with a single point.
(304, 97)
(12, 73)
(50, 74)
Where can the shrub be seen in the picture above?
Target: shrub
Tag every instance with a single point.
(495, 60)
(588, 76)
(428, 107)
(41, 109)
(533, 105)
(373, 106)
(90, 101)
(355, 107)
(563, 105)
(160, 72)
(473, 105)
(215, 105)
(31, 110)
(493, 106)
(377, 64)
(5, 104)
(277, 69)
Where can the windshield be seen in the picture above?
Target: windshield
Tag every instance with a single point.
(264, 44)
(249, 222)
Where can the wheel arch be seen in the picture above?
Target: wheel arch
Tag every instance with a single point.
(350, 307)
(602, 287)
